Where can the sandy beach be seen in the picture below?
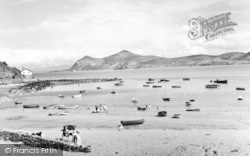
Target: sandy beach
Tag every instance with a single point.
(221, 127)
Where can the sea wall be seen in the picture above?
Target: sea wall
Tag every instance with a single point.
(39, 142)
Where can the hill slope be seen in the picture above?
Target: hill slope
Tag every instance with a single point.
(7, 72)
(128, 60)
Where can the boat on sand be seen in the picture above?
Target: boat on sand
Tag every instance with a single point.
(59, 114)
(177, 116)
(50, 106)
(18, 102)
(141, 108)
(132, 122)
(240, 88)
(193, 110)
(162, 113)
(68, 107)
(31, 106)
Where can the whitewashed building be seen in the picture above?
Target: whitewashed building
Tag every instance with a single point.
(26, 73)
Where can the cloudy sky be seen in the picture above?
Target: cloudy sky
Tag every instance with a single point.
(45, 33)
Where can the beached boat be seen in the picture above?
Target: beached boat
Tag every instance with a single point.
(50, 106)
(150, 79)
(99, 87)
(82, 91)
(166, 99)
(240, 98)
(118, 84)
(141, 108)
(59, 114)
(177, 116)
(31, 106)
(191, 100)
(132, 122)
(68, 107)
(146, 85)
(162, 113)
(61, 96)
(134, 100)
(193, 110)
(113, 92)
(188, 103)
(163, 80)
(77, 96)
(156, 86)
(240, 88)
(18, 102)
(186, 79)
(212, 86)
(176, 86)
(220, 81)
(150, 82)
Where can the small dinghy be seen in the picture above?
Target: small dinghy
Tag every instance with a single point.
(112, 92)
(132, 122)
(61, 96)
(166, 99)
(188, 104)
(141, 108)
(240, 88)
(162, 113)
(99, 87)
(77, 96)
(134, 100)
(155, 86)
(176, 86)
(193, 110)
(50, 106)
(18, 102)
(82, 91)
(68, 107)
(31, 106)
(59, 114)
(177, 116)
(186, 79)
(145, 85)
(150, 82)
(191, 100)
(240, 98)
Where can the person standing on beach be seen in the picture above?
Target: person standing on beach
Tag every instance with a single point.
(149, 107)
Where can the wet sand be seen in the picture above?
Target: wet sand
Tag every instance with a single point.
(222, 130)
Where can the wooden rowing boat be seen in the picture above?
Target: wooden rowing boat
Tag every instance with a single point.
(193, 110)
(132, 122)
(59, 114)
(68, 107)
(177, 116)
(31, 106)
(162, 113)
(50, 106)
(18, 102)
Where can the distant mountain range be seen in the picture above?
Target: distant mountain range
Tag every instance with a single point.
(128, 60)
(7, 72)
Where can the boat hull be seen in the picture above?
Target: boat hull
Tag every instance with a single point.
(132, 122)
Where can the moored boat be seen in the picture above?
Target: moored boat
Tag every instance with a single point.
(68, 107)
(177, 116)
(150, 79)
(163, 80)
(220, 81)
(50, 106)
(77, 96)
(212, 86)
(155, 86)
(188, 103)
(18, 102)
(186, 79)
(162, 113)
(146, 85)
(150, 82)
(99, 87)
(176, 86)
(118, 84)
(132, 122)
(166, 99)
(31, 106)
(82, 91)
(240, 88)
(61, 96)
(134, 100)
(240, 98)
(141, 108)
(113, 92)
(59, 114)
(193, 110)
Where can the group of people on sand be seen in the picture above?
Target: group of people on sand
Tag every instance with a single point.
(101, 107)
(76, 138)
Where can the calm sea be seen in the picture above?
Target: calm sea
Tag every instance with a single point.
(214, 99)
